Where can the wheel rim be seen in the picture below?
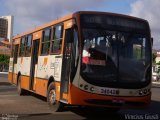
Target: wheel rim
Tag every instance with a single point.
(52, 97)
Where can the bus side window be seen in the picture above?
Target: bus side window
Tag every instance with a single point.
(16, 47)
(57, 39)
(22, 47)
(75, 47)
(28, 45)
(45, 45)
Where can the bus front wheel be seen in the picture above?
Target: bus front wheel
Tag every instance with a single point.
(19, 88)
(51, 99)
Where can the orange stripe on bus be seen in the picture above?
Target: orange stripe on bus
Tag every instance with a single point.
(57, 90)
(65, 96)
(41, 87)
(78, 97)
(25, 82)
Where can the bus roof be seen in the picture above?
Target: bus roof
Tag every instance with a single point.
(45, 26)
(71, 16)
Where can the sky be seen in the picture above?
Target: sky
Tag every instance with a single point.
(29, 14)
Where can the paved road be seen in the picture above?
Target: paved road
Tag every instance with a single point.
(35, 107)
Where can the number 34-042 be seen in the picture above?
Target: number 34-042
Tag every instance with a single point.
(109, 91)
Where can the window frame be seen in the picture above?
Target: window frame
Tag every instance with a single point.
(15, 53)
(22, 53)
(45, 42)
(26, 46)
(58, 39)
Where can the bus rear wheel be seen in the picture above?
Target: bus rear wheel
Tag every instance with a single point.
(19, 89)
(55, 105)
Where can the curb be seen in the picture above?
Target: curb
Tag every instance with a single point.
(3, 72)
(158, 83)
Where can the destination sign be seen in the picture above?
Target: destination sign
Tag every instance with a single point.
(94, 20)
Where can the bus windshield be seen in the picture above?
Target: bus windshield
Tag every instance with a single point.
(111, 56)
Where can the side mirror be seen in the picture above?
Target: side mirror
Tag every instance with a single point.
(152, 41)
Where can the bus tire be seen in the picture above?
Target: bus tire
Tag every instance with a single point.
(19, 89)
(54, 105)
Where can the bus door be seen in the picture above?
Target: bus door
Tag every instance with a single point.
(15, 57)
(66, 65)
(34, 60)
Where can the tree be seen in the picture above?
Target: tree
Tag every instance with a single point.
(154, 55)
(158, 70)
(4, 61)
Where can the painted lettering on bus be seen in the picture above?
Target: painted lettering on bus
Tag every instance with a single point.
(87, 87)
(109, 91)
(52, 65)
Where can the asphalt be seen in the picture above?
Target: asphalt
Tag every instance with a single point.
(4, 78)
(32, 107)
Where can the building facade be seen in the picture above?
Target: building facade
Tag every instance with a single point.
(5, 47)
(3, 28)
(158, 57)
(6, 33)
(6, 27)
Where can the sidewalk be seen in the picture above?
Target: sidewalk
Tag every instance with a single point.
(156, 84)
(3, 72)
(4, 78)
